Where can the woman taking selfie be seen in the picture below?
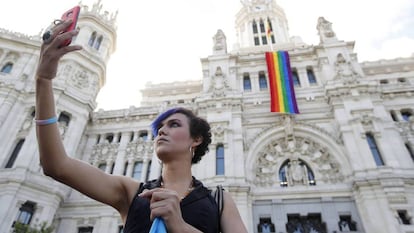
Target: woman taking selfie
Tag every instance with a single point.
(182, 138)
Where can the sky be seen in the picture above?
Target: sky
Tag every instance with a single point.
(163, 41)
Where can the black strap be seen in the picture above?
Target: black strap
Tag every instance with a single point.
(218, 197)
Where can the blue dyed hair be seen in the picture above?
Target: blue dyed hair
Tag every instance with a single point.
(157, 122)
(199, 128)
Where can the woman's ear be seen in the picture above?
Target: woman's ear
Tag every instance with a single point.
(197, 141)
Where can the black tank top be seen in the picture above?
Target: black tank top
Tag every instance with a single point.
(198, 209)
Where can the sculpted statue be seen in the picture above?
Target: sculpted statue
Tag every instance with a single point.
(324, 29)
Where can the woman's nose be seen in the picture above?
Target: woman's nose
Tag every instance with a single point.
(161, 131)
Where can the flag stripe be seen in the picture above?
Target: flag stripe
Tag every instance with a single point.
(292, 94)
(274, 102)
(282, 92)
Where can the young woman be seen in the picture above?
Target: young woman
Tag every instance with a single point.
(181, 139)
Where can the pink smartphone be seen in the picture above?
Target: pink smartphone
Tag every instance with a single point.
(71, 14)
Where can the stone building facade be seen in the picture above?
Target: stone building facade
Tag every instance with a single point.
(344, 164)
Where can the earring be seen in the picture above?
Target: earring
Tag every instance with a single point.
(192, 151)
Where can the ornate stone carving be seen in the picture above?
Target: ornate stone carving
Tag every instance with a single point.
(104, 152)
(139, 149)
(272, 157)
(218, 130)
(345, 70)
(220, 44)
(325, 30)
(297, 173)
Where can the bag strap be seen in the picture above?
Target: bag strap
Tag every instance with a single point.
(218, 197)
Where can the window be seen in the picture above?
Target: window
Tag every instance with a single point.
(143, 135)
(7, 68)
(109, 138)
(14, 154)
(64, 118)
(401, 80)
(346, 224)
(295, 78)
(298, 168)
(254, 27)
(220, 159)
(406, 114)
(264, 40)
(262, 26)
(265, 225)
(246, 82)
(374, 149)
(148, 171)
(311, 75)
(310, 223)
(125, 168)
(102, 166)
(85, 229)
(403, 217)
(92, 39)
(262, 81)
(137, 170)
(98, 43)
(383, 81)
(26, 212)
(256, 40)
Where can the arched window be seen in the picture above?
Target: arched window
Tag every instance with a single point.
(92, 39)
(311, 75)
(26, 212)
(14, 154)
(262, 26)
(136, 174)
(98, 42)
(246, 82)
(295, 77)
(220, 159)
(295, 172)
(374, 149)
(262, 81)
(254, 27)
(7, 68)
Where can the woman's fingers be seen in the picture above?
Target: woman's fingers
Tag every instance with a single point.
(164, 203)
(52, 51)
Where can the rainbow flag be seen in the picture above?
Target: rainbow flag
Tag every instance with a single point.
(282, 93)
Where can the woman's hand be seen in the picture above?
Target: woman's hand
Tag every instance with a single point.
(51, 50)
(165, 203)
